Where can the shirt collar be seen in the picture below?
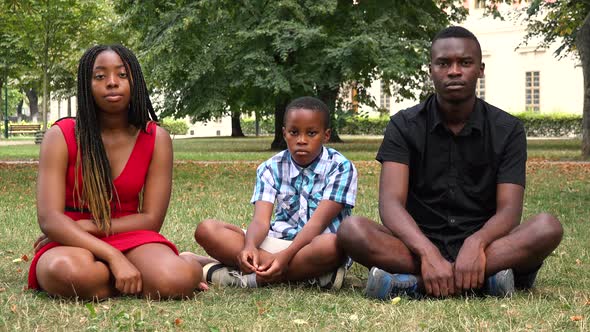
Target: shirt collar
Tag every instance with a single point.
(475, 120)
(317, 166)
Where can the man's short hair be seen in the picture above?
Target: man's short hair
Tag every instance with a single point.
(309, 103)
(456, 32)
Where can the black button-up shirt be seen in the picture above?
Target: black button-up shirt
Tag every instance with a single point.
(453, 178)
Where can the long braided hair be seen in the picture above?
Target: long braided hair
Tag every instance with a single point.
(91, 161)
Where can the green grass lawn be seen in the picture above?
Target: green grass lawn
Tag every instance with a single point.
(222, 190)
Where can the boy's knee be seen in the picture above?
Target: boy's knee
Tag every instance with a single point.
(205, 229)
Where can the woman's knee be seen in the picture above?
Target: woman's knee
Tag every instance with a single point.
(173, 280)
(68, 277)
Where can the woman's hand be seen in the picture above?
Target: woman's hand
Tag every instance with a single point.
(41, 242)
(127, 276)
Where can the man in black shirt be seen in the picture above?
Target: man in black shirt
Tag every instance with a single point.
(451, 192)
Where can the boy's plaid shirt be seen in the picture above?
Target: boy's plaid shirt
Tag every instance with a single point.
(297, 192)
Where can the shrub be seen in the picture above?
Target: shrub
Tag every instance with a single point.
(174, 127)
(551, 125)
(536, 125)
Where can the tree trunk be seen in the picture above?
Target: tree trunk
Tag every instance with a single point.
(19, 110)
(583, 45)
(69, 106)
(279, 142)
(329, 96)
(33, 102)
(236, 126)
(257, 123)
(45, 99)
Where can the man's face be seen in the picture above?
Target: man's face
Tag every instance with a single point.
(305, 134)
(455, 67)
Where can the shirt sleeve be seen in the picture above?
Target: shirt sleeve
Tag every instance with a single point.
(341, 184)
(512, 167)
(394, 147)
(264, 190)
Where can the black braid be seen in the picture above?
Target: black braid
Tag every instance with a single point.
(98, 186)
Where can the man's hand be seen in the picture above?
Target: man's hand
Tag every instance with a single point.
(470, 265)
(274, 268)
(248, 260)
(437, 274)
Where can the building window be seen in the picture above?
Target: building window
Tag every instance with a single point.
(384, 98)
(480, 4)
(480, 89)
(532, 91)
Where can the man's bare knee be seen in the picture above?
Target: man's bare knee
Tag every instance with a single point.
(351, 231)
(548, 229)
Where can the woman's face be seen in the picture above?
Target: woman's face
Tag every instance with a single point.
(110, 83)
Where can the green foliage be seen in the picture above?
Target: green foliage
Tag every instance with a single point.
(250, 55)
(551, 125)
(536, 125)
(174, 127)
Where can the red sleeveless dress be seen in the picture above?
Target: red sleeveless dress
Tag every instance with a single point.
(128, 186)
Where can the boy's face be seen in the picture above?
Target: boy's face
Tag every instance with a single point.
(305, 134)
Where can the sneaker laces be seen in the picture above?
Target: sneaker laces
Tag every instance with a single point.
(243, 282)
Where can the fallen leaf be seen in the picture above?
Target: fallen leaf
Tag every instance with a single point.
(299, 321)
(528, 326)
(578, 261)
(4, 290)
(261, 309)
(576, 318)
(353, 317)
(177, 321)
(25, 258)
(587, 302)
(13, 308)
(396, 300)
(17, 260)
(19, 270)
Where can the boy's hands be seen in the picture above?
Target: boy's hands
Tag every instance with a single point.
(274, 268)
(248, 260)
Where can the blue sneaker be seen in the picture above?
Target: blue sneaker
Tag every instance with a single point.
(525, 281)
(383, 285)
(500, 284)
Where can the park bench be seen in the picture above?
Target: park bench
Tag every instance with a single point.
(23, 128)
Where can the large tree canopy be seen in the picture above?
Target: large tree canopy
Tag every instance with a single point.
(209, 58)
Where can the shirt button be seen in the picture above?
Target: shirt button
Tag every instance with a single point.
(452, 221)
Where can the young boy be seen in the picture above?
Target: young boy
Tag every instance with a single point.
(312, 188)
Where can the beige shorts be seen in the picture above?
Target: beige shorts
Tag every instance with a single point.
(273, 245)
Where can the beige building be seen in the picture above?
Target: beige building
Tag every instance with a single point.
(517, 77)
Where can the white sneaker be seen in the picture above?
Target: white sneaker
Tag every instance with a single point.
(221, 275)
(331, 280)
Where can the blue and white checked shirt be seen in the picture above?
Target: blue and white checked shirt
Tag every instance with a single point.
(297, 192)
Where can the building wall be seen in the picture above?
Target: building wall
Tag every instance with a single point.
(507, 61)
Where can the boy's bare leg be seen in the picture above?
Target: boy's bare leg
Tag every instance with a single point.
(224, 242)
(220, 240)
(319, 257)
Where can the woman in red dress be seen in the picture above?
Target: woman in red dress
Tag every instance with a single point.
(103, 189)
